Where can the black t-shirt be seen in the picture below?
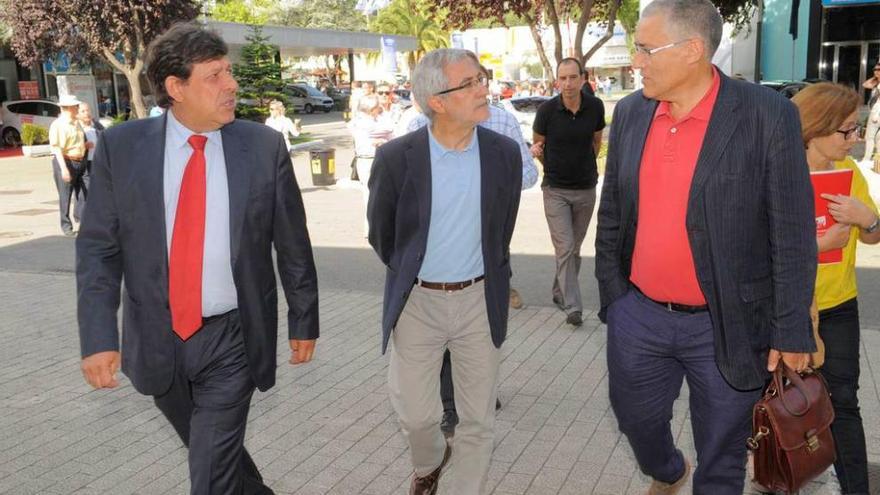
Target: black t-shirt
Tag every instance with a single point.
(569, 160)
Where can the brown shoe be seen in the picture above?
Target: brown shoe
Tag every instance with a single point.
(661, 488)
(515, 299)
(427, 485)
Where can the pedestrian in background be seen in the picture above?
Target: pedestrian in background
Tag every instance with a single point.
(705, 250)
(828, 117)
(443, 204)
(67, 140)
(567, 136)
(369, 131)
(280, 122)
(873, 124)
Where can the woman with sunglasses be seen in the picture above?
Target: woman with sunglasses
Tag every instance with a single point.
(828, 121)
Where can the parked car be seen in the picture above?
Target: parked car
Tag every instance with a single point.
(340, 97)
(14, 114)
(524, 109)
(404, 98)
(788, 88)
(305, 98)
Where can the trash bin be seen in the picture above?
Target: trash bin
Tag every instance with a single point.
(323, 165)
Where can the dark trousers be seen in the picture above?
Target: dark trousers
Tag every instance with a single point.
(76, 188)
(208, 405)
(447, 391)
(650, 351)
(839, 329)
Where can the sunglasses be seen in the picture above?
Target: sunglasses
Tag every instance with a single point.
(383, 92)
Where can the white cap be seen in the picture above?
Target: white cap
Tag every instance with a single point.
(68, 101)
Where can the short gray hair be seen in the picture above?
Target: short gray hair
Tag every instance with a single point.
(429, 77)
(691, 18)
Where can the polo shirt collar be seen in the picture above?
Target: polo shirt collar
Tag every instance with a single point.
(703, 110)
(442, 150)
(178, 134)
(560, 105)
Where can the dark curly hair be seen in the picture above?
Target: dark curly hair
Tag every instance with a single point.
(175, 51)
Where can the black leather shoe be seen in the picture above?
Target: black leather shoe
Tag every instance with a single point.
(497, 404)
(449, 422)
(575, 319)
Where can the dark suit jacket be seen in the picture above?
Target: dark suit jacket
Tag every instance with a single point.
(399, 214)
(123, 236)
(750, 224)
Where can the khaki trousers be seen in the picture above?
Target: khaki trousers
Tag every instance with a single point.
(431, 322)
(568, 213)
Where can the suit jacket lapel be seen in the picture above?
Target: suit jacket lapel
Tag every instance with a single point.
(418, 161)
(489, 183)
(631, 160)
(722, 124)
(148, 169)
(235, 153)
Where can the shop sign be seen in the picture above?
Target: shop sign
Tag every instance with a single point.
(29, 90)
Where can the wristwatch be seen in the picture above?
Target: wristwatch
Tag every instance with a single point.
(874, 226)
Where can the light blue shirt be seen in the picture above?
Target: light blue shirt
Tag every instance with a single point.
(218, 287)
(455, 243)
(502, 122)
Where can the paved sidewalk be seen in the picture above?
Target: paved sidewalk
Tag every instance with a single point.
(327, 426)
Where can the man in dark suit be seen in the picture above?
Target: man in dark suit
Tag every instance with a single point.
(185, 208)
(443, 203)
(705, 249)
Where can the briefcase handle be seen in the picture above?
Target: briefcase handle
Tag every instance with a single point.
(777, 387)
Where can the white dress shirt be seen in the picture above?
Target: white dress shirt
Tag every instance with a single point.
(218, 287)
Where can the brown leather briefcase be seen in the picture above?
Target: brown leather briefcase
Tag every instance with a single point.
(791, 431)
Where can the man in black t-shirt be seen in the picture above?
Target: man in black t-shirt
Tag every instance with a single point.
(567, 136)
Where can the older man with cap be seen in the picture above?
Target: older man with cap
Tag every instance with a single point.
(443, 203)
(67, 140)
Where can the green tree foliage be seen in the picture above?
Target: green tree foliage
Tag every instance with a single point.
(258, 75)
(416, 18)
(113, 30)
(323, 14)
(244, 11)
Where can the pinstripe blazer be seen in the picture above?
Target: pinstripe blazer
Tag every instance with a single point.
(749, 222)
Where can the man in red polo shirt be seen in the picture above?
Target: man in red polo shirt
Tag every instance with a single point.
(705, 249)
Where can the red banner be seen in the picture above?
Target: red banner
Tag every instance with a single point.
(29, 90)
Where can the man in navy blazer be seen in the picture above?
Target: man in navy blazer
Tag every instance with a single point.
(705, 249)
(443, 203)
(198, 336)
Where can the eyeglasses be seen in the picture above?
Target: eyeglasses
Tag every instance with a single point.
(468, 84)
(643, 50)
(849, 133)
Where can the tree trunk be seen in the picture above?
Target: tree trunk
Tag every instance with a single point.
(539, 46)
(609, 32)
(586, 13)
(137, 97)
(557, 32)
(132, 75)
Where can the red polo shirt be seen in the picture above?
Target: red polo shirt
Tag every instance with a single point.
(662, 265)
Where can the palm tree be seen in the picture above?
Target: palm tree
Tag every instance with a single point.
(412, 18)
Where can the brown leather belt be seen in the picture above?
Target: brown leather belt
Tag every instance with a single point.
(66, 157)
(675, 307)
(448, 286)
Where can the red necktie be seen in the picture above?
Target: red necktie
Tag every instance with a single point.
(188, 245)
